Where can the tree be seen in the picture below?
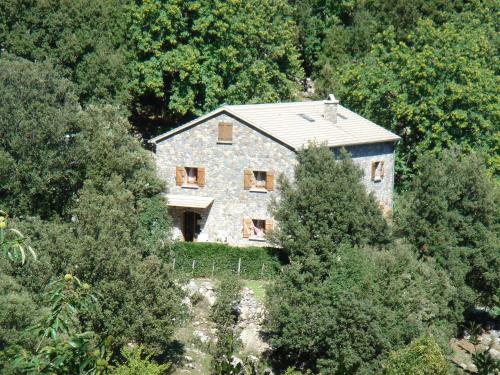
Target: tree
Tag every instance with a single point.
(63, 347)
(436, 88)
(85, 41)
(451, 214)
(194, 55)
(369, 303)
(326, 205)
(91, 204)
(422, 357)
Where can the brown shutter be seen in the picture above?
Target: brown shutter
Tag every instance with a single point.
(382, 169)
(270, 180)
(247, 225)
(247, 179)
(374, 169)
(269, 226)
(201, 177)
(179, 175)
(225, 131)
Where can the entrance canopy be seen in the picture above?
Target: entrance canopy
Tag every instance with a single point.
(192, 201)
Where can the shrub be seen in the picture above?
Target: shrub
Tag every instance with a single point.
(136, 365)
(348, 317)
(226, 259)
(326, 204)
(225, 315)
(451, 213)
(422, 357)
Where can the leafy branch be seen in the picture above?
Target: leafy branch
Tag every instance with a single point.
(12, 242)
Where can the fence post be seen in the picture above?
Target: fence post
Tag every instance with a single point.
(262, 271)
(173, 264)
(213, 269)
(239, 266)
(194, 262)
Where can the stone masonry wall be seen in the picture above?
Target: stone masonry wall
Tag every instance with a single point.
(364, 155)
(224, 165)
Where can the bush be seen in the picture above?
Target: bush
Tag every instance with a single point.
(136, 365)
(369, 303)
(326, 204)
(225, 316)
(226, 258)
(451, 214)
(422, 357)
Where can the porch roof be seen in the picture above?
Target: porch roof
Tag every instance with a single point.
(175, 200)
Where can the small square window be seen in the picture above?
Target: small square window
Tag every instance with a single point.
(259, 179)
(191, 176)
(377, 172)
(256, 229)
(225, 134)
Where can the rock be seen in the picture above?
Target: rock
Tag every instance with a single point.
(495, 353)
(202, 336)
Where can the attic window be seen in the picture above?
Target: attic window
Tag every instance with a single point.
(306, 117)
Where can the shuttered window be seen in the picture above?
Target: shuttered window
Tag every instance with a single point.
(256, 229)
(225, 132)
(189, 176)
(258, 180)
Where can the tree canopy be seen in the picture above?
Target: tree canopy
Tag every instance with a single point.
(194, 55)
(437, 88)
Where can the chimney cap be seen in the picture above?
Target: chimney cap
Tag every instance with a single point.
(331, 100)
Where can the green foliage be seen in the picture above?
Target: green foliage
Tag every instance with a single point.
(194, 55)
(85, 40)
(451, 214)
(422, 357)
(12, 242)
(362, 305)
(437, 88)
(18, 312)
(326, 204)
(225, 315)
(226, 259)
(84, 171)
(134, 364)
(63, 347)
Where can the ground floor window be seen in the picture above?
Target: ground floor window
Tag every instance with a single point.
(256, 228)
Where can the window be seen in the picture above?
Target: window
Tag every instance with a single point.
(377, 173)
(256, 229)
(258, 180)
(225, 132)
(190, 176)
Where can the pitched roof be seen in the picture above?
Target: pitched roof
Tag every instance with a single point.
(297, 123)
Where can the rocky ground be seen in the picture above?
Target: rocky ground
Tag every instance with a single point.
(198, 334)
(463, 349)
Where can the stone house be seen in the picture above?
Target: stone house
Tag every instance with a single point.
(221, 168)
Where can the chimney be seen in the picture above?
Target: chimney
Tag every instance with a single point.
(330, 109)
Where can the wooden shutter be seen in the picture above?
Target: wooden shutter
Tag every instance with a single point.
(247, 227)
(201, 177)
(179, 175)
(374, 169)
(225, 131)
(270, 180)
(382, 169)
(269, 226)
(247, 179)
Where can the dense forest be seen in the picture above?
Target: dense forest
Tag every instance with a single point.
(85, 262)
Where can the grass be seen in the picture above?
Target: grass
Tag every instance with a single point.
(258, 287)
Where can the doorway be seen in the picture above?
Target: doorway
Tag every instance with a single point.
(192, 226)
